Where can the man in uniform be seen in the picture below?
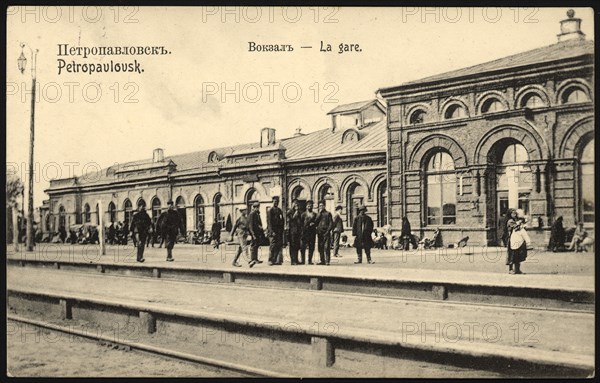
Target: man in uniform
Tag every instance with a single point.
(294, 220)
(240, 229)
(338, 229)
(324, 223)
(275, 226)
(362, 228)
(139, 227)
(256, 232)
(308, 233)
(172, 225)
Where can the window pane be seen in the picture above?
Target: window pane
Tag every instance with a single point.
(576, 95)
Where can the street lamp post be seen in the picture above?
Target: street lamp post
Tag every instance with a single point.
(22, 61)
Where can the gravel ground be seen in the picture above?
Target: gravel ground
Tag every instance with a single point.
(53, 354)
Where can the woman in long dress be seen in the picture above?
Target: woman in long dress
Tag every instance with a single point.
(517, 247)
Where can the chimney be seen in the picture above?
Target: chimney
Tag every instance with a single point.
(267, 137)
(298, 132)
(570, 28)
(158, 155)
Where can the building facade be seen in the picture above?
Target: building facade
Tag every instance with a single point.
(344, 164)
(517, 132)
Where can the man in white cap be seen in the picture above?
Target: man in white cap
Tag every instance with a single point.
(240, 229)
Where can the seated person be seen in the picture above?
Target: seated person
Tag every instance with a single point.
(579, 235)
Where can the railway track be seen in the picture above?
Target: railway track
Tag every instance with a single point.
(153, 350)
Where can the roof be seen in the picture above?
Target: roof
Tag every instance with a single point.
(555, 52)
(316, 144)
(355, 106)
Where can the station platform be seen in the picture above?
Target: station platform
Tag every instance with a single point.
(508, 336)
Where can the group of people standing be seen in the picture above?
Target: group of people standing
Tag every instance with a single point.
(168, 225)
(304, 230)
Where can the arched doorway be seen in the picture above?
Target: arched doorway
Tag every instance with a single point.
(199, 210)
(587, 183)
(252, 195)
(511, 181)
(155, 209)
(217, 209)
(301, 195)
(128, 210)
(112, 214)
(327, 193)
(355, 197)
(62, 217)
(180, 203)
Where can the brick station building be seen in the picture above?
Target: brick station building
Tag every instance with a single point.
(344, 164)
(517, 132)
(458, 149)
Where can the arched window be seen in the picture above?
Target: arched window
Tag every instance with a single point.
(382, 217)
(213, 157)
(199, 209)
(355, 197)
(350, 135)
(112, 213)
(574, 95)
(141, 202)
(128, 209)
(532, 101)
(455, 111)
(180, 203)
(217, 209)
(155, 209)
(87, 215)
(587, 182)
(417, 117)
(62, 216)
(441, 190)
(492, 105)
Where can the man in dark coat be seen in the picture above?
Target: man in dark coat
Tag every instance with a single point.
(406, 236)
(294, 219)
(125, 232)
(139, 227)
(324, 224)
(338, 229)
(241, 230)
(309, 231)
(172, 226)
(160, 229)
(557, 236)
(62, 233)
(275, 227)
(256, 232)
(362, 227)
(216, 233)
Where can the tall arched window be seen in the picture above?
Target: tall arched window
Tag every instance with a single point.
(382, 217)
(128, 210)
(141, 202)
(441, 190)
(217, 209)
(492, 105)
(532, 101)
(199, 209)
(62, 214)
(87, 215)
(587, 183)
(355, 197)
(455, 111)
(574, 95)
(155, 209)
(181, 209)
(112, 213)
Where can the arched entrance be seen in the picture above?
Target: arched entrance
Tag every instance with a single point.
(180, 203)
(510, 181)
(355, 197)
(301, 195)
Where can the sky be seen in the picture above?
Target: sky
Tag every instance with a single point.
(210, 91)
